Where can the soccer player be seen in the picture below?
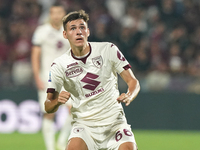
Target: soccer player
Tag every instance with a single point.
(48, 43)
(89, 73)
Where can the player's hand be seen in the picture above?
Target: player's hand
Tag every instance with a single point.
(63, 97)
(124, 98)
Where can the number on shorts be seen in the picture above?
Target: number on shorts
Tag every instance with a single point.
(118, 135)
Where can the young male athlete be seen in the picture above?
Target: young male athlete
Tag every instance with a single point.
(48, 43)
(89, 73)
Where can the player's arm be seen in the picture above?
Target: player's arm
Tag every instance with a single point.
(133, 87)
(54, 100)
(35, 60)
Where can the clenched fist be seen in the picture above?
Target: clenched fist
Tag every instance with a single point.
(63, 97)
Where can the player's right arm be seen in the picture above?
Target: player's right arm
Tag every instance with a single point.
(35, 60)
(54, 100)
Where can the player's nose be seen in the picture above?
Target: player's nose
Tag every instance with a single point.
(79, 32)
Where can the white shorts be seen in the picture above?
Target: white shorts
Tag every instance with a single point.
(42, 96)
(103, 137)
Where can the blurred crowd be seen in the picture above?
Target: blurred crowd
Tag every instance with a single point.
(160, 38)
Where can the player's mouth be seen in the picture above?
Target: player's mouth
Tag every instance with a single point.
(79, 39)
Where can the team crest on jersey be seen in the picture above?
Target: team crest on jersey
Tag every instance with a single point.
(74, 71)
(97, 61)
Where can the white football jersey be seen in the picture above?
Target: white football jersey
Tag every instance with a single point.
(92, 82)
(52, 44)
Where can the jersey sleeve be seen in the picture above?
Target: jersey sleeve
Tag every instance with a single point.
(117, 59)
(55, 81)
(37, 36)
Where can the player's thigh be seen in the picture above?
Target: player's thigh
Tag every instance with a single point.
(84, 133)
(128, 146)
(122, 138)
(76, 144)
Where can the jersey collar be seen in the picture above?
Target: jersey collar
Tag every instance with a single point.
(83, 59)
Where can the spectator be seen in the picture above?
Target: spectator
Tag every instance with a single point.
(175, 60)
(21, 58)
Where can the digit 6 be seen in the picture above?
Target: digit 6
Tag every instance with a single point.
(127, 132)
(118, 136)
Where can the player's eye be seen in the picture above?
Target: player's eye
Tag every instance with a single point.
(73, 28)
(82, 27)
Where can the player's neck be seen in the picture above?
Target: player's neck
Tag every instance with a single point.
(81, 51)
(56, 26)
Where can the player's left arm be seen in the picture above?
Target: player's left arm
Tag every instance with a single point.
(133, 87)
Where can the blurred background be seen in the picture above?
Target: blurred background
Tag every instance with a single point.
(160, 39)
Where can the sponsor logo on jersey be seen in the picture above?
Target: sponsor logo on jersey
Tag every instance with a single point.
(97, 61)
(73, 64)
(120, 56)
(74, 71)
(92, 84)
(94, 92)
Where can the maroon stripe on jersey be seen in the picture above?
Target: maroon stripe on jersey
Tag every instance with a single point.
(84, 58)
(127, 67)
(50, 90)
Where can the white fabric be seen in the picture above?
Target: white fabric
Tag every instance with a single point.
(93, 85)
(104, 137)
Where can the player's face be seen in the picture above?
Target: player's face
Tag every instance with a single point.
(77, 33)
(56, 15)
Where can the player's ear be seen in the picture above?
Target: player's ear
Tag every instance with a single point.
(65, 34)
(88, 32)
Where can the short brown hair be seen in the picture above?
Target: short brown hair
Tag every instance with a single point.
(81, 14)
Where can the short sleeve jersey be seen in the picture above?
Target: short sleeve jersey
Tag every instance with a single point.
(52, 44)
(92, 82)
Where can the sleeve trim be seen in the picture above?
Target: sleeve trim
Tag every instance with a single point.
(50, 90)
(127, 67)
